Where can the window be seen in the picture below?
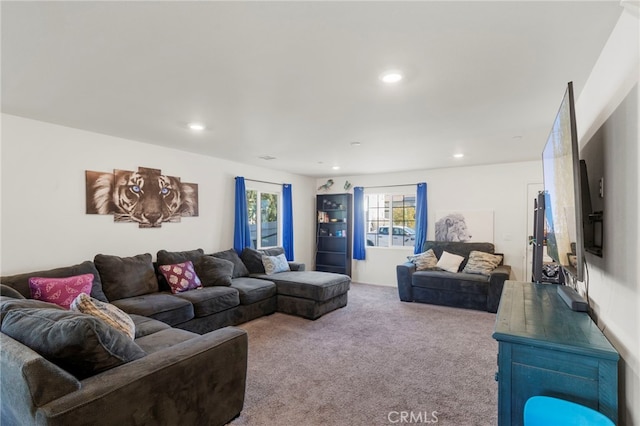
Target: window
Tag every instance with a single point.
(264, 218)
(390, 220)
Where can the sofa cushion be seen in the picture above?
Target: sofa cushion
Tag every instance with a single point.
(107, 312)
(20, 282)
(164, 257)
(7, 291)
(164, 307)
(424, 261)
(61, 291)
(314, 285)
(481, 263)
(461, 249)
(252, 258)
(126, 276)
(211, 300)
(253, 289)
(8, 304)
(164, 339)
(79, 343)
(145, 326)
(181, 277)
(275, 264)
(443, 280)
(449, 262)
(239, 270)
(214, 271)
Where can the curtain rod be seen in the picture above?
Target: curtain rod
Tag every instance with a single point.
(264, 181)
(389, 186)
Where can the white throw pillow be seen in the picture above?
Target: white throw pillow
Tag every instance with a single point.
(449, 262)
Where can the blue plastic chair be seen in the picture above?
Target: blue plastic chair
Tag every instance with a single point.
(549, 411)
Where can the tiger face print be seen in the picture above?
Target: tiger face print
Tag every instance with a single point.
(146, 197)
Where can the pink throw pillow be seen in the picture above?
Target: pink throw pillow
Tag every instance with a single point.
(60, 291)
(181, 276)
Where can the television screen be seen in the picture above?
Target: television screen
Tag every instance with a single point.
(563, 206)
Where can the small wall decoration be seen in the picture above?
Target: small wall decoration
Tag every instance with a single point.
(467, 226)
(147, 196)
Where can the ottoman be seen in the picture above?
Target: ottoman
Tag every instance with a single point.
(310, 294)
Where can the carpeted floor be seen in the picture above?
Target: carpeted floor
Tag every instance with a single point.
(371, 363)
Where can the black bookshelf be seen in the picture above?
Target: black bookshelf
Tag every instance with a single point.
(333, 233)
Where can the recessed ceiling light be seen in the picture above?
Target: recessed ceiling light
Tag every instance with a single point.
(355, 143)
(336, 167)
(458, 155)
(267, 157)
(391, 77)
(196, 126)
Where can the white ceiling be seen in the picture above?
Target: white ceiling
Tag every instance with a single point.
(299, 80)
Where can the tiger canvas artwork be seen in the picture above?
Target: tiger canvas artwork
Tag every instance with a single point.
(146, 196)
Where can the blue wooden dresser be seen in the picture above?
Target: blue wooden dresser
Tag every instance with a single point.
(545, 348)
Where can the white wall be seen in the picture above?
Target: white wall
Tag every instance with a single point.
(44, 223)
(607, 113)
(501, 188)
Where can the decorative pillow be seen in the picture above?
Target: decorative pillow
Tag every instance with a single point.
(275, 264)
(424, 261)
(124, 277)
(214, 271)
(20, 282)
(79, 343)
(239, 269)
(110, 314)
(449, 262)
(181, 277)
(60, 291)
(481, 263)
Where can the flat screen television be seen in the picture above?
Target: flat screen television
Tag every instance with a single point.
(562, 190)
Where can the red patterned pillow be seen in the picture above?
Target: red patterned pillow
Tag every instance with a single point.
(60, 291)
(181, 276)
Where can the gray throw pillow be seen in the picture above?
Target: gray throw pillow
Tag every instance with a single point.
(239, 269)
(79, 343)
(213, 271)
(252, 259)
(124, 277)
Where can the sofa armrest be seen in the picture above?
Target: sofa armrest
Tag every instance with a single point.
(496, 281)
(295, 266)
(199, 381)
(404, 273)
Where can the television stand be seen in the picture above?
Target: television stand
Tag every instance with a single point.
(574, 301)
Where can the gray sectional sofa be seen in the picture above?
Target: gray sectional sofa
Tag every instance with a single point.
(187, 363)
(458, 289)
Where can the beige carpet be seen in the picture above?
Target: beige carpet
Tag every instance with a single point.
(371, 363)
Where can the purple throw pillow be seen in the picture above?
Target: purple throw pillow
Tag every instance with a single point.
(60, 291)
(181, 276)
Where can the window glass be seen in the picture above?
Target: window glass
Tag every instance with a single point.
(264, 222)
(390, 211)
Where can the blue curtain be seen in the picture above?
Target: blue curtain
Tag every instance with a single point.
(421, 218)
(287, 221)
(241, 231)
(359, 243)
